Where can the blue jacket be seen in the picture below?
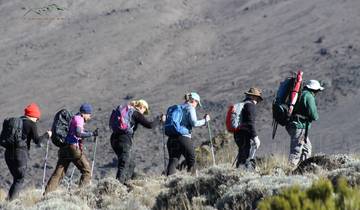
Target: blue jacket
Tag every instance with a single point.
(189, 119)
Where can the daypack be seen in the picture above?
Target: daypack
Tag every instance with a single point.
(121, 118)
(234, 117)
(286, 98)
(11, 133)
(60, 127)
(172, 126)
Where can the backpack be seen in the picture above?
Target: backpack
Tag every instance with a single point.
(285, 100)
(121, 118)
(11, 134)
(172, 126)
(234, 117)
(60, 127)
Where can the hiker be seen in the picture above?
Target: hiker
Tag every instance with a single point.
(72, 151)
(16, 156)
(180, 143)
(305, 111)
(246, 137)
(131, 115)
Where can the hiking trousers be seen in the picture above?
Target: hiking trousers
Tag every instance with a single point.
(16, 160)
(242, 140)
(178, 146)
(299, 149)
(121, 144)
(69, 154)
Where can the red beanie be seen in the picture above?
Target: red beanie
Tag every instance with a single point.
(32, 110)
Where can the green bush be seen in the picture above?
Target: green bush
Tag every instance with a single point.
(322, 195)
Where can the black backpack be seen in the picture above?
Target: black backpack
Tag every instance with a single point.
(60, 127)
(11, 134)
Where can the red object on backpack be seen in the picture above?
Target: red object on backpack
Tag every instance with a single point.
(228, 123)
(295, 91)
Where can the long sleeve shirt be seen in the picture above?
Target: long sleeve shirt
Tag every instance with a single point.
(77, 131)
(190, 120)
(30, 132)
(139, 118)
(306, 108)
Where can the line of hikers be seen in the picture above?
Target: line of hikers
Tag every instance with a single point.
(178, 122)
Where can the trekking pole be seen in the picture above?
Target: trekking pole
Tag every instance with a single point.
(164, 146)
(211, 144)
(45, 163)
(237, 156)
(93, 161)
(70, 179)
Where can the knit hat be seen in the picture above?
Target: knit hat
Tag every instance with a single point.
(86, 108)
(254, 92)
(32, 110)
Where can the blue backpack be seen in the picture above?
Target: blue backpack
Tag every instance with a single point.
(120, 119)
(173, 125)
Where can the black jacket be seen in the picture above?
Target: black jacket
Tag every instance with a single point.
(138, 118)
(248, 118)
(30, 132)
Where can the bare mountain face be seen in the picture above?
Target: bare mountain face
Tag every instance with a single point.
(107, 52)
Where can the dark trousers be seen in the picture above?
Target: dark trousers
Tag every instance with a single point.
(69, 154)
(121, 144)
(178, 146)
(242, 140)
(16, 160)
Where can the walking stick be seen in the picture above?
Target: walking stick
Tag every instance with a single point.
(211, 144)
(237, 156)
(70, 179)
(45, 163)
(164, 146)
(93, 161)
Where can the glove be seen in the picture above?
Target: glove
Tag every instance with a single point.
(207, 118)
(96, 132)
(255, 142)
(49, 133)
(162, 118)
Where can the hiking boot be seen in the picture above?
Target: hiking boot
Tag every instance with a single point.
(250, 164)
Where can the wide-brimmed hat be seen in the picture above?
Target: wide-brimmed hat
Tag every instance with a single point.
(254, 92)
(313, 85)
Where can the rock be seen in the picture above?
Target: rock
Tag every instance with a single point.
(319, 40)
(323, 51)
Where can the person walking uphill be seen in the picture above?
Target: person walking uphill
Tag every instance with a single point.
(124, 121)
(72, 152)
(180, 120)
(16, 155)
(246, 137)
(305, 111)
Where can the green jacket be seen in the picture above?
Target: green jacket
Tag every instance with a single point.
(306, 107)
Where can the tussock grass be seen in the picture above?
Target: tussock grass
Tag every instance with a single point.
(214, 187)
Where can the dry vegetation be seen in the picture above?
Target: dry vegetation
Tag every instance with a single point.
(215, 187)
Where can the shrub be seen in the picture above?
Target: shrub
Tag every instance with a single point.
(321, 195)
